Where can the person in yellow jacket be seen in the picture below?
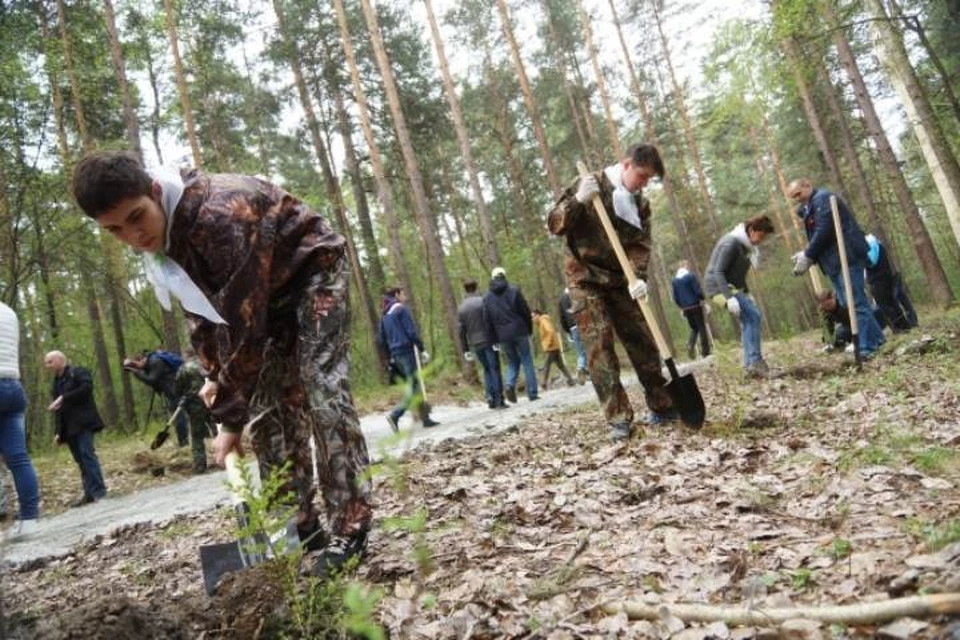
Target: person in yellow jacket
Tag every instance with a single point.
(550, 343)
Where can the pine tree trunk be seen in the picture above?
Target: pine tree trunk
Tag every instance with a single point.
(459, 125)
(528, 100)
(116, 52)
(919, 236)
(110, 408)
(601, 84)
(421, 208)
(384, 192)
(171, 332)
(181, 79)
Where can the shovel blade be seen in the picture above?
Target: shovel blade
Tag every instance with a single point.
(687, 400)
(218, 560)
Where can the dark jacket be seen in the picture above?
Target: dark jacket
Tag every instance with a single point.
(880, 272)
(398, 331)
(253, 249)
(818, 223)
(567, 320)
(475, 331)
(507, 311)
(159, 376)
(687, 293)
(727, 269)
(79, 410)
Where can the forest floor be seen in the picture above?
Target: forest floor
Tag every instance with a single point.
(818, 486)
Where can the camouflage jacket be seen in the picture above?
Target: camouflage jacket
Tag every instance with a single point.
(252, 248)
(591, 260)
(187, 385)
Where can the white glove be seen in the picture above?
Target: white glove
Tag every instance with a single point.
(424, 357)
(468, 356)
(638, 289)
(587, 188)
(801, 263)
(706, 308)
(496, 348)
(733, 306)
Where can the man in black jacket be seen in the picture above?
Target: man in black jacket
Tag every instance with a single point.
(77, 420)
(480, 343)
(512, 325)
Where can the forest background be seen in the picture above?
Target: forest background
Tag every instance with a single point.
(436, 140)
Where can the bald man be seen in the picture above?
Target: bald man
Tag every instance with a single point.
(77, 421)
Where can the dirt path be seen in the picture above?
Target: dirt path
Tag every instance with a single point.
(58, 535)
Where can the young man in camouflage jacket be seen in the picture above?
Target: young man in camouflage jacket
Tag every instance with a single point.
(264, 280)
(602, 302)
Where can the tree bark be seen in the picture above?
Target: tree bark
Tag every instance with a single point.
(463, 138)
(528, 100)
(182, 84)
(601, 84)
(427, 223)
(919, 236)
(116, 52)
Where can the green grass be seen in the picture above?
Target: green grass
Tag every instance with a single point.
(934, 536)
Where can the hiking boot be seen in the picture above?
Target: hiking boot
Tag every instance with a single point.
(22, 529)
(429, 422)
(511, 394)
(199, 469)
(83, 500)
(338, 551)
(620, 431)
(758, 369)
(571, 382)
(659, 418)
(393, 423)
(313, 538)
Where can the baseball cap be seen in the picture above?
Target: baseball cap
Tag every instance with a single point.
(497, 272)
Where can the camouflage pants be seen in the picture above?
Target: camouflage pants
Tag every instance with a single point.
(304, 382)
(601, 313)
(201, 423)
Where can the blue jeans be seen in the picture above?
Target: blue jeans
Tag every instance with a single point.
(407, 363)
(81, 446)
(518, 353)
(578, 345)
(750, 330)
(13, 447)
(871, 335)
(492, 380)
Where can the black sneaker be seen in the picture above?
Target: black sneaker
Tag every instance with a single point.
(511, 394)
(429, 422)
(338, 551)
(85, 499)
(620, 431)
(393, 423)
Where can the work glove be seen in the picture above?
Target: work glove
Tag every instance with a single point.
(587, 188)
(424, 357)
(733, 306)
(801, 263)
(496, 348)
(706, 308)
(468, 356)
(638, 289)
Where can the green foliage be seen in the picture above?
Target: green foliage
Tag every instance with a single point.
(934, 535)
(801, 578)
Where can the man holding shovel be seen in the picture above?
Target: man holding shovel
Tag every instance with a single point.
(823, 249)
(601, 301)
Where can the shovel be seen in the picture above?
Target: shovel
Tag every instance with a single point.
(682, 389)
(249, 550)
(164, 433)
(424, 405)
(847, 284)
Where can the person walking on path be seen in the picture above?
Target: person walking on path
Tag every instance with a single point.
(13, 438)
(265, 284)
(77, 421)
(602, 303)
(550, 343)
(477, 337)
(815, 211)
(887, 289)
(726, 283)
(688, 295)
(569, 325)
(511, 323)
(158, 370)
(398, 338)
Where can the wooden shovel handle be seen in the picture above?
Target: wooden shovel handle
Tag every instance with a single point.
(844, 265)
(627, 267)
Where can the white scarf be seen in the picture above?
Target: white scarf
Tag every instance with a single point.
(624, 202)
(740, 234)
(681, 272)
(163, 272)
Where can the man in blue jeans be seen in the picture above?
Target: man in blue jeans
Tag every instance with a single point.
(13, 441)
(512, 324)
(479, 342)
(77, 421)
(815, 211)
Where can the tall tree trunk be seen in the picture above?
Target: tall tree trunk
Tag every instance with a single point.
(919, 236)
(692, 147)
(528, 100)
(182, 91)
(144, 40)
(116, 52)
(254, 117)
(601, 84)
(384, 193)
(943, 165)
(329, 179)
(463, 138)
(427, 223)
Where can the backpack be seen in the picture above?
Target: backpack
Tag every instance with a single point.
(172, 359)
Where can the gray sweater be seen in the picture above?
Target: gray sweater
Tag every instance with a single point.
(727, 269)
